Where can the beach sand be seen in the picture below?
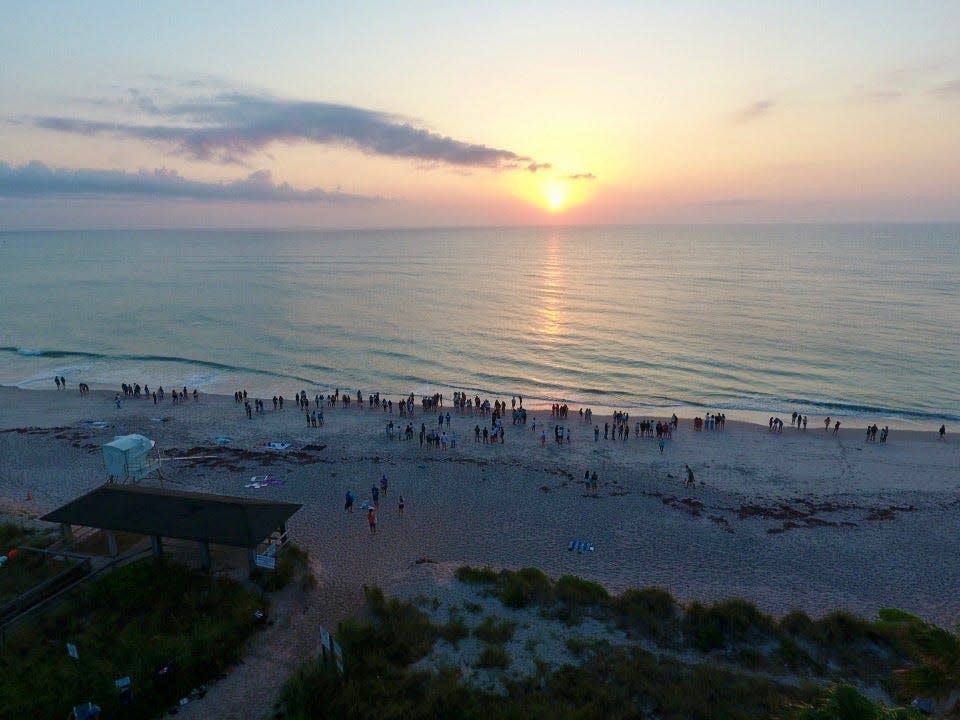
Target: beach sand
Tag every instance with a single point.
(801, 519)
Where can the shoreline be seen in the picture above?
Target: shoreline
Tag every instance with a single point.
(601, 412)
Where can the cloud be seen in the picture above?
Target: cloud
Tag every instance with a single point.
(753, 111)
(229, 127)
(580, 176)
(949, 90)
(38, 180)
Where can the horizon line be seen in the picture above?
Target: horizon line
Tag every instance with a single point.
(497, 226)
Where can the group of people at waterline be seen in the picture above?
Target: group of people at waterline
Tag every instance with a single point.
(618, 429)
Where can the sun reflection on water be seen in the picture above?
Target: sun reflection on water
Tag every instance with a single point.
(550, 293)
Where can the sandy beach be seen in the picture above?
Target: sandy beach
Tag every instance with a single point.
(801, 519)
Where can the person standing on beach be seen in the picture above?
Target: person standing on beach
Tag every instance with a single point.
(375, 494)
(804, 422)
(348, 502)
(691, 482)
(372, 520)
(383, 485)
(56, 379)
(401, 505)
(594, 482)
(943, 431)
(826, 424)
(836, 427)
(661, 445)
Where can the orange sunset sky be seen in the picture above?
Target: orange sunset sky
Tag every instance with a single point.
(422, 114)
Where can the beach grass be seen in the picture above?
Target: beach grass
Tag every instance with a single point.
(129, 623)
(719, 660)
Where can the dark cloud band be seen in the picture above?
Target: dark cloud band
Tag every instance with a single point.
(38, 180)
(231, 126)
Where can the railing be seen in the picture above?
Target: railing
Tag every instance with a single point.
(7, 623)
(41, 592)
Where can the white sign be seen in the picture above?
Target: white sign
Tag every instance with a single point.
(265, 561)
(72, 651)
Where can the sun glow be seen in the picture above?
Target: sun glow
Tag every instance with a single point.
(556, 195)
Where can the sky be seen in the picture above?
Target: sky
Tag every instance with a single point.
(414, 114)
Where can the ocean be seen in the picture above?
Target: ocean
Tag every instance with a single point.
(853, 321)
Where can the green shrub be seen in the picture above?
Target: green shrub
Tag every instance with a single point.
(648, 612)
(845, 702)
(749, 657)
(524, 586)
(491, 631)
(403, 634)
(795, 657)
(493, 656)
(480, 576)
(896, 615)
(454, 631)
(797, 622)
(712, 627)
(575, 591)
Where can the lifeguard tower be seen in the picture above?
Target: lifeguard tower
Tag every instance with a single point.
(130, 457)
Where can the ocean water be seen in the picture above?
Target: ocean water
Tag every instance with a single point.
(847, 320)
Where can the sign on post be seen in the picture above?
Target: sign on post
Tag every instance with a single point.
(265, 561)
(124, 689)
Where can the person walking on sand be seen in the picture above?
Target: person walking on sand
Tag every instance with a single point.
(691, 482)
(594, 482)
(661, 445)
(348, 502)
(375, 494)
(401, 505)
(836, 428)
(372, 520)
(826, 424)
(383, 485)
(943, 431)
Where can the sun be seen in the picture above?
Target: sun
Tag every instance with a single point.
(556, 195)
